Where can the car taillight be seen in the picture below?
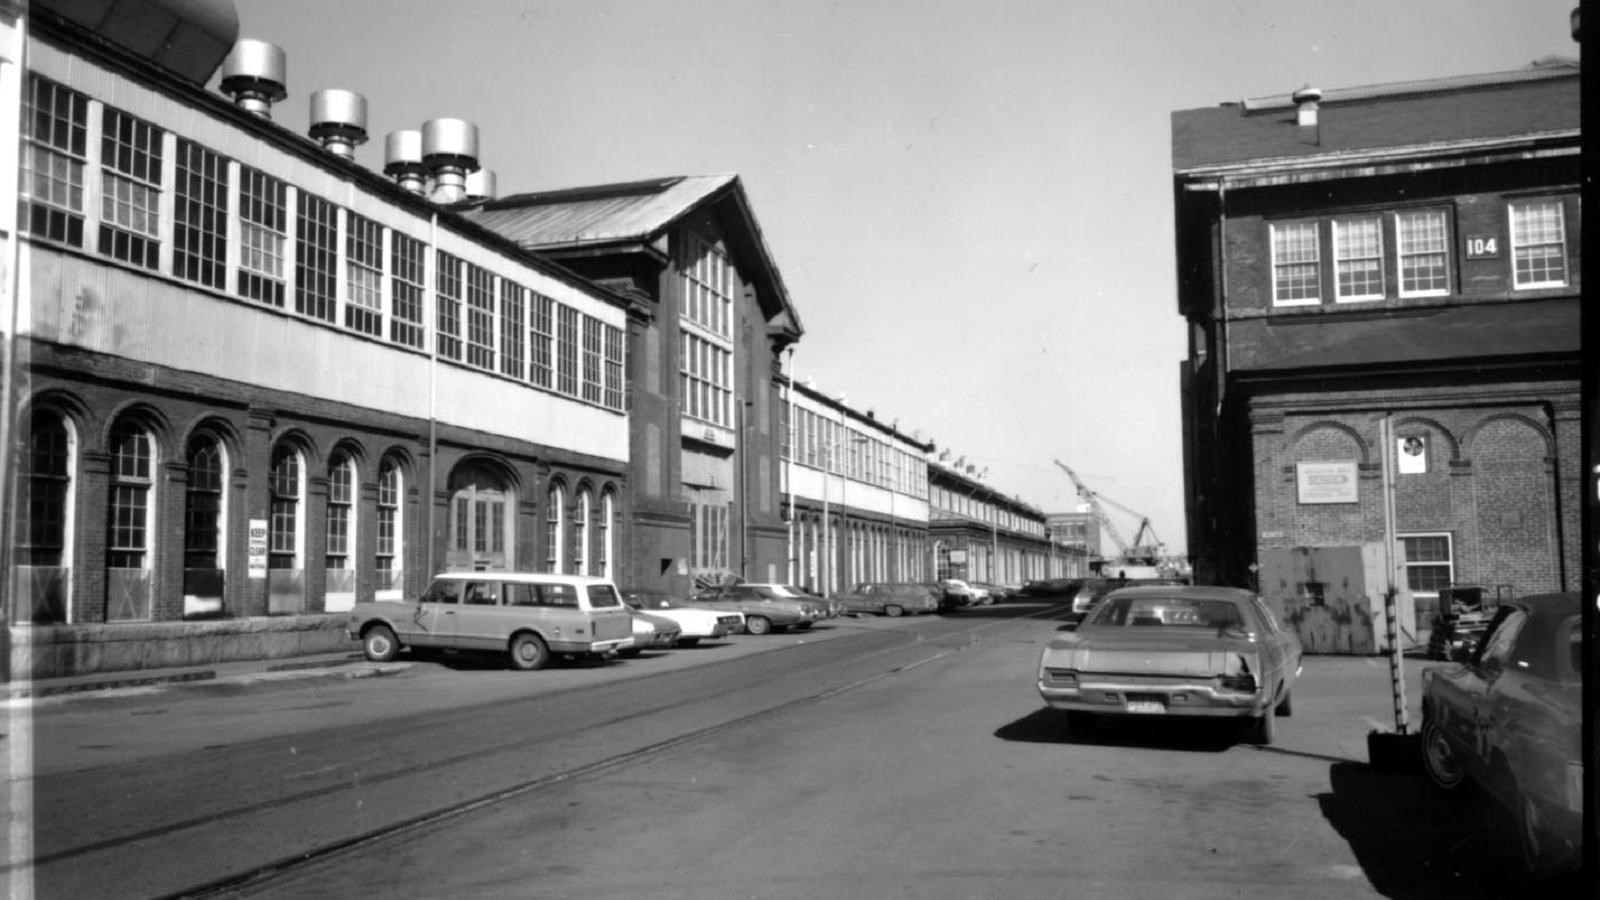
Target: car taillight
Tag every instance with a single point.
(1062, 678)
(1241, 684)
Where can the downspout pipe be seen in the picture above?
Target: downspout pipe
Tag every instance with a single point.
(431, 315)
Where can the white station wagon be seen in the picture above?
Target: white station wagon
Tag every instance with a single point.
(525, 615)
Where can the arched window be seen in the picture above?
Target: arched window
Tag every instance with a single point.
(203, 537)
(128, 523)
(285, 529)
(580, 534)
(555, 529)
(44, 522)
(390, 563)
(602, 536)
(338, 561)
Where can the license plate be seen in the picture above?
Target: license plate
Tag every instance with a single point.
(1146, 706)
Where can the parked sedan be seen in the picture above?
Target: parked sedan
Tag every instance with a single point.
(960, 593)
(1508, 717)
(832, 605)
(889, 599)
(695, 623)
(766, 607)
(650, 633)
(1175, 651)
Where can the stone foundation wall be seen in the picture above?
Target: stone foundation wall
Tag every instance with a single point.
(65, 650)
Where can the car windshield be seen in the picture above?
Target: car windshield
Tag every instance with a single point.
(1168, 612)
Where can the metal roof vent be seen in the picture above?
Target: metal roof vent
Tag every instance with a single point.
(255, 74)
(481, 185)
(402, 160)
(1307, 100)
(339, 120)
(450, 151)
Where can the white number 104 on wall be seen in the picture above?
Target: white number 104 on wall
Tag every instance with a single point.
(1482, 247)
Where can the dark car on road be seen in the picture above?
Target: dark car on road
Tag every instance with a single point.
(891, 599)
(1509, 716)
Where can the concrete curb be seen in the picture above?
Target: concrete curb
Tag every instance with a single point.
(284, 671)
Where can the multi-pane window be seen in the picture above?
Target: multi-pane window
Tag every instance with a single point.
(130, 201)
(615, 356)
(363, 248)
(44, 477)
(55, 142)
(1538, 243)
(316, 257)
(1429, 566)
(283, 483)
(705, 379)
(1424, 251)
(203, 505)
(580, 535)
(341, 503)
(389, 485)
(541, 339)
(449, 319)
(566, 350)
(200, 230)
(602, 535)
(407, 283)
(1358, 258)
(128, 524)
(511, 335)
(263, 233)
(554, 513)
(708, 288)
(592, 349)
(1296, 264)
(480, 317)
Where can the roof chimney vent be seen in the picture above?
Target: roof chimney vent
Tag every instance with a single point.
(402, 160)
(449, 151)
(1307, 99)
(255, 73)
(339, 121)
(481, 185)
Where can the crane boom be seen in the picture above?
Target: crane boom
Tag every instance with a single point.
(1093, 499)
(1136, 552)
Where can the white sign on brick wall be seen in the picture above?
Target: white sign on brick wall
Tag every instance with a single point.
(1326, 482)
(257, 553)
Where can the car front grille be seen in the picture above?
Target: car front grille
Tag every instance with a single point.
(728, 620)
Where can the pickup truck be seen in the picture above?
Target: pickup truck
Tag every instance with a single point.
(527, 616)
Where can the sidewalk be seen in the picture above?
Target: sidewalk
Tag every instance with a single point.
(343, 664)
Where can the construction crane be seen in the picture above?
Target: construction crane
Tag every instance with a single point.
(1146, 554)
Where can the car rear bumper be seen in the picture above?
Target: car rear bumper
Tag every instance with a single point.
(1191, 699)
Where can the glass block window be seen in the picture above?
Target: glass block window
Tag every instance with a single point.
(200, 231)
(128, 523)
(592, 348)
(55, 137)
(541, 341)
(264, 236)
(1424, 239)
(341, 510)
(449, 314)
(480, 317)
(316, 257)
(44, 481)
(202, 535)
(1538, 243)
(566, 350)
(1358, 258)
(406, 285)
(1429, 565)
(616, 357)
(130, 200)
(285, 488)
(1296, 264)
(512, 303)
(363, 251)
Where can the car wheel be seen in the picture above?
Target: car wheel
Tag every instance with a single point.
(894, 611)
(688, 642)
(379, 643)
(1265, 728)
(757, 624)
(528, 652)
(1439, 758)
(1286, 705)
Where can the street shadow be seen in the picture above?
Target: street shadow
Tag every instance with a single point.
(1052, 726)
(1415, 842)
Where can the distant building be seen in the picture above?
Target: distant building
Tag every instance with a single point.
(1383, 288)
(980, 534)
(1075, 529)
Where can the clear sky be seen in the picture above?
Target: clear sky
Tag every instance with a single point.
(970, 203)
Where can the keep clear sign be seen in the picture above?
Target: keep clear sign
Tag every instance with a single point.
(1326, 482)
(258, 548)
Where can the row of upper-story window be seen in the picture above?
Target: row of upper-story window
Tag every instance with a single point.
(820, 442)
(1408, 253)
(944, 503)
(342, 269)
